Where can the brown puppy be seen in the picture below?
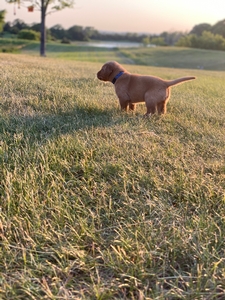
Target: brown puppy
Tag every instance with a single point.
(133, 88)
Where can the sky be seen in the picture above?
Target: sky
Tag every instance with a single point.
(137, 16)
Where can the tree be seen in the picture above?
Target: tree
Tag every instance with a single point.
(207, 40)
(159, 41)
(172, 37)
(58, 32)
(2, 19)
(76, 33)
(89, 32)
(45, 7)
(7, 27)
(219, 28)
(146, 41)
(200, 28)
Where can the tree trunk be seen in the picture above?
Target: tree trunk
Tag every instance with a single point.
(42, 45)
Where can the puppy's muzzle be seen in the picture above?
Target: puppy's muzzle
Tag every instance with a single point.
(99, 75)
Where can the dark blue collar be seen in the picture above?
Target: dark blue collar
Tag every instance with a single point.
(117, 76)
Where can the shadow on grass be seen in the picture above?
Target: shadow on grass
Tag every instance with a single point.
(41, 127)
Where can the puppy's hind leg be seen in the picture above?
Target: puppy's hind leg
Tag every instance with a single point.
(150, 104)
(151, 109)
(161, 107)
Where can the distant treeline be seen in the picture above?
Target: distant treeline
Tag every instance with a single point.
(202, 36)
(77, 33)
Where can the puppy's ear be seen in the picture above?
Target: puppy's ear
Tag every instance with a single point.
(108, 71)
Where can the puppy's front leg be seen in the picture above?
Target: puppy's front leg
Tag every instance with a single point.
(124, 105)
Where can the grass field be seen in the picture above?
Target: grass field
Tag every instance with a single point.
(100, 204)
(177, 57)
(169, 57)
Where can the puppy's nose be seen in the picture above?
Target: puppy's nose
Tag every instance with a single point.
(98, 75)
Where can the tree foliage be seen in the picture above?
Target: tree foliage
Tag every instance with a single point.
(15, 26)
(219, 28)
(207, 40)
(48, 5)
(2, 19)
(200, 28)
(205, 36)
(58, 32)
(45, 7)
(159, 41)
(146, 41)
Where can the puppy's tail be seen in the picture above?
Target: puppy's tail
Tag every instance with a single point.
(179, 80)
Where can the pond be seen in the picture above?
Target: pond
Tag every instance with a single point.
(112, 44)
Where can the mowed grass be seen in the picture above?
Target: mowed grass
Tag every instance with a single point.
(177, 57)
(76, 51)
(169, 57)
(100, 204)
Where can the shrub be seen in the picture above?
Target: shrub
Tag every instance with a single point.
(9, 49)
(65, 40)
(29, 35)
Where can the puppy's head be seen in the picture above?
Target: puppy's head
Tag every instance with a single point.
(109, 70)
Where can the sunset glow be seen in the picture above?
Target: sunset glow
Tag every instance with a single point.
(147, 16)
